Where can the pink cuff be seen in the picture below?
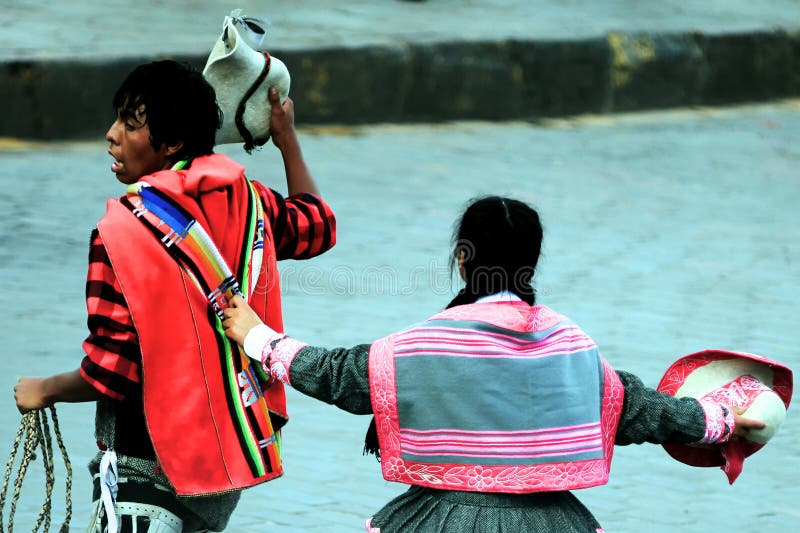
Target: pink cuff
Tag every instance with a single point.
(278, 355)
(720, 422)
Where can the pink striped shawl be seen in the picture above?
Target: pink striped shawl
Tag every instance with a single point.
(494, 397)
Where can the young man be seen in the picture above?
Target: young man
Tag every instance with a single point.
(178, 421)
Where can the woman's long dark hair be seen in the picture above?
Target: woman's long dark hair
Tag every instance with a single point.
(500, 240)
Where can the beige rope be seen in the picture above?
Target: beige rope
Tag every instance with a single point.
(35, 428)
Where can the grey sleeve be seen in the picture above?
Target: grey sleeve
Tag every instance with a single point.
(652, 416)
(338, 376)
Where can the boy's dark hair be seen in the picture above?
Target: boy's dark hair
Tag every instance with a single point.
(501, 239)
(179, 105)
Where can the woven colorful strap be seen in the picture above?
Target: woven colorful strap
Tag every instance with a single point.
(190, 245)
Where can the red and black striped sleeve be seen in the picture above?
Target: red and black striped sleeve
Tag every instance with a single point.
(113, 358)
(303, 225)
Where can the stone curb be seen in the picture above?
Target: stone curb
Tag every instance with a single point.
(493, 80)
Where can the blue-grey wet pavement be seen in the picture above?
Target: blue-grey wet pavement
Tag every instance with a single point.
(665, 233)
(392, 61)
(86, 29)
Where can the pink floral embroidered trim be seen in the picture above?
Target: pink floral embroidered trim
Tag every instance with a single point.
(741, 392)
(518, 316)
(517, 479)
(719, 422)
(281, 357)
(369, 528)
(613, 397)
(719, 403)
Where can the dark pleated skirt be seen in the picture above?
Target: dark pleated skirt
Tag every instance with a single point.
(436, 511)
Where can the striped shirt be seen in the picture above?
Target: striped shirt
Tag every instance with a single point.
(303, 226)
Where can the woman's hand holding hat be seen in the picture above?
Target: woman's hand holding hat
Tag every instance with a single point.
(756, 392)
(744, 424)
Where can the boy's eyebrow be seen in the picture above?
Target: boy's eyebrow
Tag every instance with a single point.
(137, 113)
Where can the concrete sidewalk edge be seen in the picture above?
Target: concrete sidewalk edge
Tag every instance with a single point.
(493, 80)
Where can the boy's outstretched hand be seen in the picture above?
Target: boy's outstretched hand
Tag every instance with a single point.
(239, 320)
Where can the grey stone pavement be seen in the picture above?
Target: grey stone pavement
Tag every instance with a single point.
(38, 29)
(367, 61)
(666, 233)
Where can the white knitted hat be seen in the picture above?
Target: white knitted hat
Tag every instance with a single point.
(241, 74)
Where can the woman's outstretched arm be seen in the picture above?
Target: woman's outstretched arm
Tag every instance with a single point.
(336, 376)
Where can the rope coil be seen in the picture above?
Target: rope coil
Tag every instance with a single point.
(35, 428)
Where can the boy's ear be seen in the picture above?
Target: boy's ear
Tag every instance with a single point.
(174, 148)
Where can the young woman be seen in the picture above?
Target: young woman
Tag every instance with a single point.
(494, 409)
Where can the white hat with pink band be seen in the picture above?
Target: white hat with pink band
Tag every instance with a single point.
(760, 386)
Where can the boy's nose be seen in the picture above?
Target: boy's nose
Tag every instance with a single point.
(111, 134)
